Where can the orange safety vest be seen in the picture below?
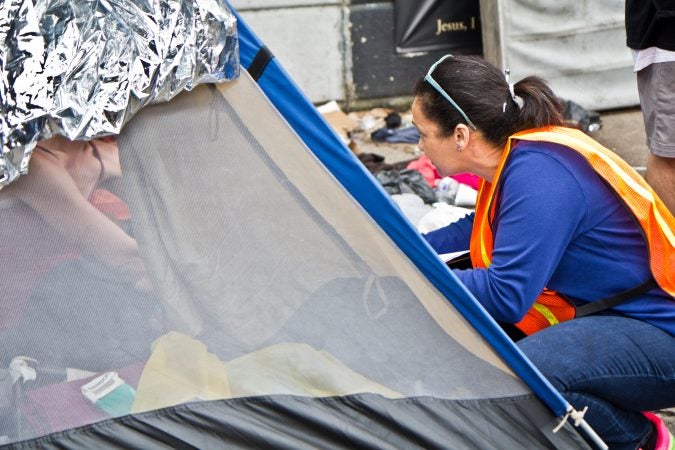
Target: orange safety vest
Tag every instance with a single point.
(657, 223)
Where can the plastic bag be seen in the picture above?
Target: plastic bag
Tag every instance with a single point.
(406, 181)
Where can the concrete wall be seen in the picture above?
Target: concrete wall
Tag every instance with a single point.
(337, 49)
(344, 49)
(309, 39)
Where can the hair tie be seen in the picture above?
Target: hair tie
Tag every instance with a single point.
(517, 100)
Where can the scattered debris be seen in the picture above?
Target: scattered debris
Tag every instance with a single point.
(576, 116)
(341, 123)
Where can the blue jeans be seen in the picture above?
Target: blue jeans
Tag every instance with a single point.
(616, 366)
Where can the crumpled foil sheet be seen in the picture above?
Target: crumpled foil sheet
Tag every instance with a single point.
(83, 68)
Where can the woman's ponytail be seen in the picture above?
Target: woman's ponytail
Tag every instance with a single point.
(539, 106)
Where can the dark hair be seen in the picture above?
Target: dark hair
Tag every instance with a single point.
(480, 89)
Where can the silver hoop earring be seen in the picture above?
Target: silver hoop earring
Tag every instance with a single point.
(459, 148)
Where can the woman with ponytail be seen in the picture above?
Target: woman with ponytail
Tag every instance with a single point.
(571, 251)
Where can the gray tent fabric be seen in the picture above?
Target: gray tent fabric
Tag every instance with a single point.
(280, 315)
(322, 291)
(361, 421)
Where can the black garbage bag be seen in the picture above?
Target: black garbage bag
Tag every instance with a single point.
(393, 120)
(375, 163)
(577, 116)
(406, 181)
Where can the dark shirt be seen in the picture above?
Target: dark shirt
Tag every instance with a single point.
(650, 24)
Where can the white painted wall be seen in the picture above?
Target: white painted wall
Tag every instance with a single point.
(308, 38)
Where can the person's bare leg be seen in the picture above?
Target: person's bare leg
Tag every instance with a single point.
(661, 177)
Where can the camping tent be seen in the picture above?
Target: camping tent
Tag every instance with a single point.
(290, 304)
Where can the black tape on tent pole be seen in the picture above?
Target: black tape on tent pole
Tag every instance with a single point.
(260, 61)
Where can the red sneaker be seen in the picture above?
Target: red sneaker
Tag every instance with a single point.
(664, 438)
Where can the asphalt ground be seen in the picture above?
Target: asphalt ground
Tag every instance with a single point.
(622, 131)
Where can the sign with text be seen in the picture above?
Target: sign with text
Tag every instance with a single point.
(423, 25)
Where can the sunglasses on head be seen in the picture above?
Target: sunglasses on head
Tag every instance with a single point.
(429, 79)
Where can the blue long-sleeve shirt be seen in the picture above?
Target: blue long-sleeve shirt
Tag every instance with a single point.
(557, 225)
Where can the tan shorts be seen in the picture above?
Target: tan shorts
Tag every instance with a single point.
(656, 85)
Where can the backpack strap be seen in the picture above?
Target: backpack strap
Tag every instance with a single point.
(614, 300)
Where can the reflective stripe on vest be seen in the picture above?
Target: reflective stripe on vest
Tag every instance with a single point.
(649, 211)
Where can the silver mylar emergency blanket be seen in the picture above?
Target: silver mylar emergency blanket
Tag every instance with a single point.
(83, 68)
